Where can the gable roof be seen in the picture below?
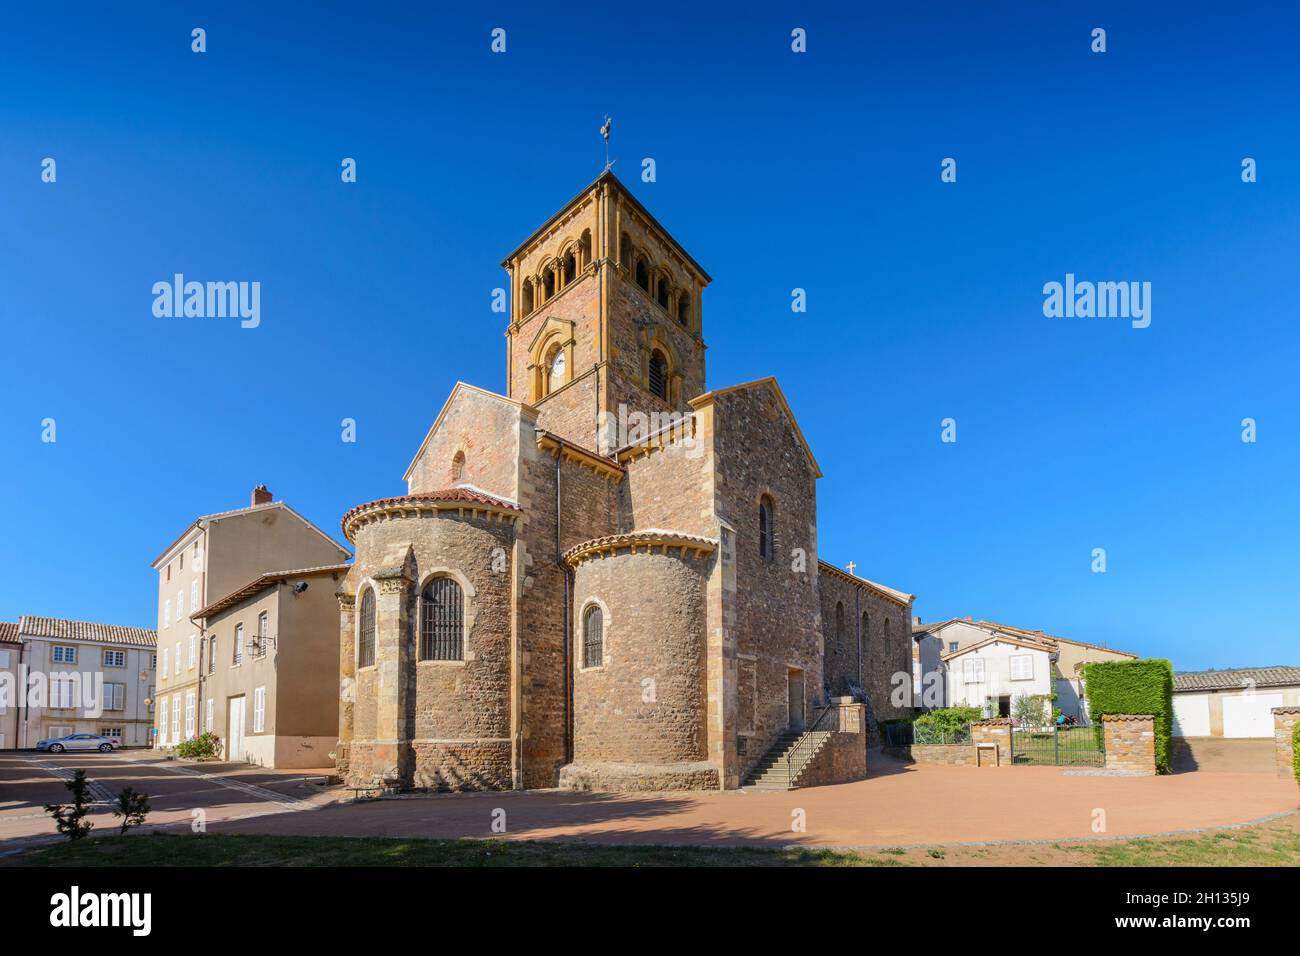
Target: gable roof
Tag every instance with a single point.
(998, 639)
(260, 584)
(205, 520)
(456, 390)
(1237, 678)
(1042, 635)
(770, 382)
(899, 597)
(63, 629)
(8, 632)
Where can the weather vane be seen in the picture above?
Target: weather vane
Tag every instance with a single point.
(604, 133)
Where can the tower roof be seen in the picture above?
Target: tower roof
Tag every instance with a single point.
(608, 176)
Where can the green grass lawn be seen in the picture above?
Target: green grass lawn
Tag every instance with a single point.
(1272, 844)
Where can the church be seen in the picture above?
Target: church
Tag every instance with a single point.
(607, 578)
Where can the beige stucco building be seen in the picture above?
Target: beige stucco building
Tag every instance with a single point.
(271, 688)
(216, 556)
(608, 577)
(95, 678)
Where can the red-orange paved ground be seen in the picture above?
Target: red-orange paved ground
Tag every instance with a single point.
(898, 804)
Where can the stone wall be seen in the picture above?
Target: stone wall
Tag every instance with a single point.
(645, 702)
(1284, 722)
(771, 615)
(434, 723)
(1130, 742)
(873, 645)
(994, 734)
(953, 755)
(843, 757)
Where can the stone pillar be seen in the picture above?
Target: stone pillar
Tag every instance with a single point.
(390, 675)
(347, 677)
(1284, 723)
(1130, 741)
(991, 739)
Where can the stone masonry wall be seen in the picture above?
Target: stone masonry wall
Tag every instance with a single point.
(775, 612)
(997, 732)
(1130, 741)
(844, 755)
(1284, 722)
(645, 703)
(885, 644)
(453, 720)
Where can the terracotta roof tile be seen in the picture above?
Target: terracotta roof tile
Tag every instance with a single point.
(470, 496)
(8, 632)
(1234, 679)
(86, 631)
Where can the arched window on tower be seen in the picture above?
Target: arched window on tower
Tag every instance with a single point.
(658, 375)
(584, 244)
(625, 251)
(684, 309)
(442, 621)
(664, 298)
(570, 268)
(555, 363)
(643, 275)
(548, 284)
(593, 637)
(526, 298)
(366, 641)
(458, 467)
(765, 536)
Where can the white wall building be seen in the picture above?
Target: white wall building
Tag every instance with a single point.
(993, 673)
(78, 663)
(1233, 703)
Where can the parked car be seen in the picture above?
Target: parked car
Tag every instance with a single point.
(58, 745)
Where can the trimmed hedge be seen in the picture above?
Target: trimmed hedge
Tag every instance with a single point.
(1295, 751)
(1134, 687)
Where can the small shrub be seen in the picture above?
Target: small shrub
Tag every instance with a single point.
(946, 725)
(132, 807)
(196, 748)
(70, 819)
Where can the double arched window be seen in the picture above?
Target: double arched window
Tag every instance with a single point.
(593, 637)
(765, 532)
(442, 621)
(366, 641)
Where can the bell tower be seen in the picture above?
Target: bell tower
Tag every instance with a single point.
(605, 317)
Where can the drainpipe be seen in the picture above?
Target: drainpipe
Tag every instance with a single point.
(22, 701)
(568, 654)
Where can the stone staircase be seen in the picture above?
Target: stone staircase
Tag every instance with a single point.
(773, 772)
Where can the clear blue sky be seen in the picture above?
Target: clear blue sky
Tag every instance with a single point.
(776, 171)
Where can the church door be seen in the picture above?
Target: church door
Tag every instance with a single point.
(796, 700)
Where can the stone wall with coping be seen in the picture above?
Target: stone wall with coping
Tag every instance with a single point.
(995, 731)
(1130, 742)
(843, 757)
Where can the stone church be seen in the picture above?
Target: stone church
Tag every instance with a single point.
(606, 578)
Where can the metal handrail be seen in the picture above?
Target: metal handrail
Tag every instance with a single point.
(805, 737)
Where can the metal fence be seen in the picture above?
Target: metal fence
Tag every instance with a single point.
(906, 733)
(1057, 747)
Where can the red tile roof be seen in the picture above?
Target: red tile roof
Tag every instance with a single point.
(86, 631)
(8, 632)
(468, 495)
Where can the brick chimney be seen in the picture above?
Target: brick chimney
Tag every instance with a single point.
(261, 496)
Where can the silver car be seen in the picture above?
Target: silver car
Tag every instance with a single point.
(58, 745)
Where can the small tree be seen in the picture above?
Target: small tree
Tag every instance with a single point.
(1028, 710)
(132, 807)
(70, 819)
